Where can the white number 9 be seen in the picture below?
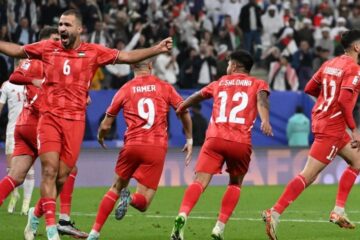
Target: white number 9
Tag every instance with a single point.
(66, 68)
(150, 114)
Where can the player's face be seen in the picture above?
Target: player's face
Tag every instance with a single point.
(69, 30)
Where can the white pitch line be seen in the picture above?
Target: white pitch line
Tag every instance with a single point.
(212, 218)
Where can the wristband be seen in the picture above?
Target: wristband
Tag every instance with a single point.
(189, 141)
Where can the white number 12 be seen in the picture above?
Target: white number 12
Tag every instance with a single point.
(234, 111)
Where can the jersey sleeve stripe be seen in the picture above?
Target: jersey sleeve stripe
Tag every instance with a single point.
(347, 87)
(117, 55)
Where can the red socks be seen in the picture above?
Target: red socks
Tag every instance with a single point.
(192, 195)
(139, 202)
(39, 211)
(66, 194)
(291, 192)
(7, 185)
(49, 210)
(345, 184)
(106, 206)
(229, 202)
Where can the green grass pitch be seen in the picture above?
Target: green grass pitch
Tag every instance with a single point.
(305, 219)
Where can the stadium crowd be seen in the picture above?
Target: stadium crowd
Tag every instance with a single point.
(289, 39)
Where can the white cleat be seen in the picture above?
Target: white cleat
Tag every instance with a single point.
(217, 233)
(13, 200)
(31, 226)
(25, 207)
(52, 233)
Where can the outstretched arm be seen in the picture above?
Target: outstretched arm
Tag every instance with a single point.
(12, 49)
(193, 99)
(104, 129)
(20, 79)
(141, 54)
(187, 125)
(263, 109)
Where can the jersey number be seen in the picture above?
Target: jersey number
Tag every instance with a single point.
(327, 99)
(148, 115)
(66, 68)
(234, 111)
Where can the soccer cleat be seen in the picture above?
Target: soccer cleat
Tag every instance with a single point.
(93, 236)
(178, 229)
(12, 203)
(125, 199)
(270, 224)
(217, 233)
(68, 228)
(52, 233)
(31, 226)
(25, 207)
(341, 220)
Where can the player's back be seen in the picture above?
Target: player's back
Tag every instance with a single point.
(337, 73)
(145, 101)
(235, 106)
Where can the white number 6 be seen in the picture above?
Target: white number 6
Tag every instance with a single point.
(66, 68)
(150, 114)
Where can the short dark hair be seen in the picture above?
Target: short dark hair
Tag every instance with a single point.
(348, 37)
(244, 58)
(46, 32)
(75, 13)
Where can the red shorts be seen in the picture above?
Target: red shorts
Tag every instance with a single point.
(60, 135)
(144, 163)
(325, 147)
(216, 151)
(25, 141)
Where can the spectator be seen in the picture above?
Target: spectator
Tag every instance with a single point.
(272, 23)
(306, 33)
(50, 11)
(298, 129)
(23, 34)
(3, 13)
(232, 8)
(207, 66)
(326, 41)
(302, 62)
(251, 26)
(340, 24)
(222, 61)
(323, 56)
(287, 44)
(199, 125)
(99, 35)
(166, 68)
(354, 19)
(190, 70)
(282, 77)
(19, 9)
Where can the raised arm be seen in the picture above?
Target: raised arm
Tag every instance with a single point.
(190, 101)
(141, 54)
(104, 129)
(12, 49)
(187, 125)
(263, 109)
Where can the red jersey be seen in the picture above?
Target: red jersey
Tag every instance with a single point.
(30, 113)
(146, 101)
(68, 74)
(235, 106)
(338, 73)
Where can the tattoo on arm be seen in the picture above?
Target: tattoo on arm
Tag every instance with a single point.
(263, 99)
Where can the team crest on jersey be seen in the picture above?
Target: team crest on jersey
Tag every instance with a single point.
(25, 65)
(81, 54)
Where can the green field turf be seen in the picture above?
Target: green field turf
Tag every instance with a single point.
(306, 219)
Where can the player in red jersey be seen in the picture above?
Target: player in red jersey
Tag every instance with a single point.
(238, 98)
(30, 73)
(69, 66)
(336, 86)
(145, 101)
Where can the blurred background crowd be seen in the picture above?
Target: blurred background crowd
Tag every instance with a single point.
(288, 39)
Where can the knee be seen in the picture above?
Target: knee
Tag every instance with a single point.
(49, 172)
(17, 176)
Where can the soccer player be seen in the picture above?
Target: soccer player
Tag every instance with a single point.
(336, 86)
(69, 66)
(31, 74)
(13, 95)
(238, 97)
(145, 101)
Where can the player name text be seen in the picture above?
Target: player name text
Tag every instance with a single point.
(235, 82)
(333, 71)
(146, 88)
